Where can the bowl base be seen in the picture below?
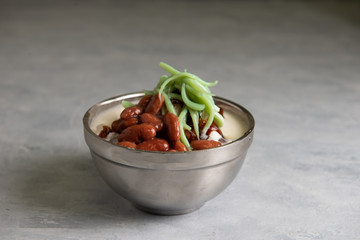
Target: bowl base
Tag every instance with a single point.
(166, 212)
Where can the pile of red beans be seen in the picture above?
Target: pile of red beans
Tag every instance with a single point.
(143, 127)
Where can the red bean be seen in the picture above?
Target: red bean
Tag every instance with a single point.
(105, 131)
(155, 104)
(137, 133)
(121, 124)
(127, 144)
(153, 120)
(155, 144)
(180, 147)
(190, 135)
(213, 127)
(204, 144)
(144, 101)
(172, 125)
(131, 112)
(221, 111)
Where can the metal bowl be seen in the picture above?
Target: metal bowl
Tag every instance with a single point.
(168, 183)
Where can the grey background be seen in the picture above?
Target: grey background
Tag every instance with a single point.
(294, 64)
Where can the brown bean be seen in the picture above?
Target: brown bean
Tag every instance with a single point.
(155, 104)
(144, 101)
(204, 144)
(137, 133)
(105, 131)
(190, 135)
(121, 124)
(153, 120)
(180, 147)
(127, 144)
(131, 112)
(221, 111)
(147, 131)
(117, 125)
(172, 125)
(213, 127)
(155, 144)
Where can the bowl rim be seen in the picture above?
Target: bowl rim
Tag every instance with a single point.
(86, 124)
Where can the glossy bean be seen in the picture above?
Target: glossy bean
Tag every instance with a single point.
(127, 144)
(138, 133)
(179, 147)
(155, 104)
(131, 112)
(121, 124)
(213, 127)
(155, 144)
(172, 125)
(153, 120)
(144, 101)
(204, 144)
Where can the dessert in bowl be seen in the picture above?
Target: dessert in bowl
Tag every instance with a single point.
(168, 180)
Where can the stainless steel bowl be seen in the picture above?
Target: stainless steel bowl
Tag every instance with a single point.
(168, 183)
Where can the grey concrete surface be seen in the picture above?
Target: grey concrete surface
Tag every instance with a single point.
(294, 64)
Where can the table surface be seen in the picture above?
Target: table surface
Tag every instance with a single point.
(295, 65)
